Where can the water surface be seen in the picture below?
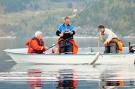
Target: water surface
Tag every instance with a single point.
(26, 76)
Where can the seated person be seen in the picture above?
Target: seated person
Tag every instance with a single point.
(36, 44)
(111, 41)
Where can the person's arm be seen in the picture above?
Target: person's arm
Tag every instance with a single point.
(35, 45)
(27, 42)
(110, 35)
(59, 33)
(100, 37)
(109, 38)
(72, 31)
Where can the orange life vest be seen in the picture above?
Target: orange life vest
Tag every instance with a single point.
(75, 46)
(35, 46)
(119, 44)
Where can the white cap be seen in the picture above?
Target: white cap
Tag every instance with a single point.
(37, 33)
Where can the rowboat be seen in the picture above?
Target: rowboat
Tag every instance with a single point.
(20, 56)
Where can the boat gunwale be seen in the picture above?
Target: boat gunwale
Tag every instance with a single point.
(111, 54)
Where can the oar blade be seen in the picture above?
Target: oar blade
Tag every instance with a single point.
(95, 58)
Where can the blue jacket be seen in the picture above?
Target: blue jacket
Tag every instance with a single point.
(65, 29)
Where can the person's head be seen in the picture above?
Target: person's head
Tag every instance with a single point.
(101, 28)
(66, 20)
(39, 35)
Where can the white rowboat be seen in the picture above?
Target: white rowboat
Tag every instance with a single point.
(21, 56)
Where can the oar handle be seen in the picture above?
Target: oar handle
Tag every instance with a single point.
(51, 47)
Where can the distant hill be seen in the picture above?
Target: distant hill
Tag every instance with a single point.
(116, 14)
(23, 17)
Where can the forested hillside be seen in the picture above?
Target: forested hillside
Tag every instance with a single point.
(23, 17)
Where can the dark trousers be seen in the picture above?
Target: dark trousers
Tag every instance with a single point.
(66, 47)
(111, 48)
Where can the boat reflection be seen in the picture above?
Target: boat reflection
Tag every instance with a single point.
(69, 76)
(67, 79)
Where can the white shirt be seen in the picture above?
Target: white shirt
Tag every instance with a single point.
(108, 35)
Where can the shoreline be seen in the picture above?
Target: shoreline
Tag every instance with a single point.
(14, 37)
(8, 37)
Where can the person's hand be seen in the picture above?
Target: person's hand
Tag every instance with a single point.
(71, 33)
(105, 43)
(44, 48)
(61, 35)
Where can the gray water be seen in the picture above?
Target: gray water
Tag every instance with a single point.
(17, 76)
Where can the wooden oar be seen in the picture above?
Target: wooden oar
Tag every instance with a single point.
(95, 58)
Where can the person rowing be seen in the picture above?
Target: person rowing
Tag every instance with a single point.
(36, 44)
(66, 44)
(111, 41)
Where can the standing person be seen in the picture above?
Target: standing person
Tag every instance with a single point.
(36, 44)
(66, 44)
(111, 41)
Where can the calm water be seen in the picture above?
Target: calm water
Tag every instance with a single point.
(22, 76)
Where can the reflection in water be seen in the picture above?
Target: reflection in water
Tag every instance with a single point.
(34, 80)
(102, 76)
(116, 79)
(116, 84)
(113, 84)
(76, 76)
(67, 79)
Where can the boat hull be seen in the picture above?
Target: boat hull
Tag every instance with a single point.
(51, 59)
(71, 59)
